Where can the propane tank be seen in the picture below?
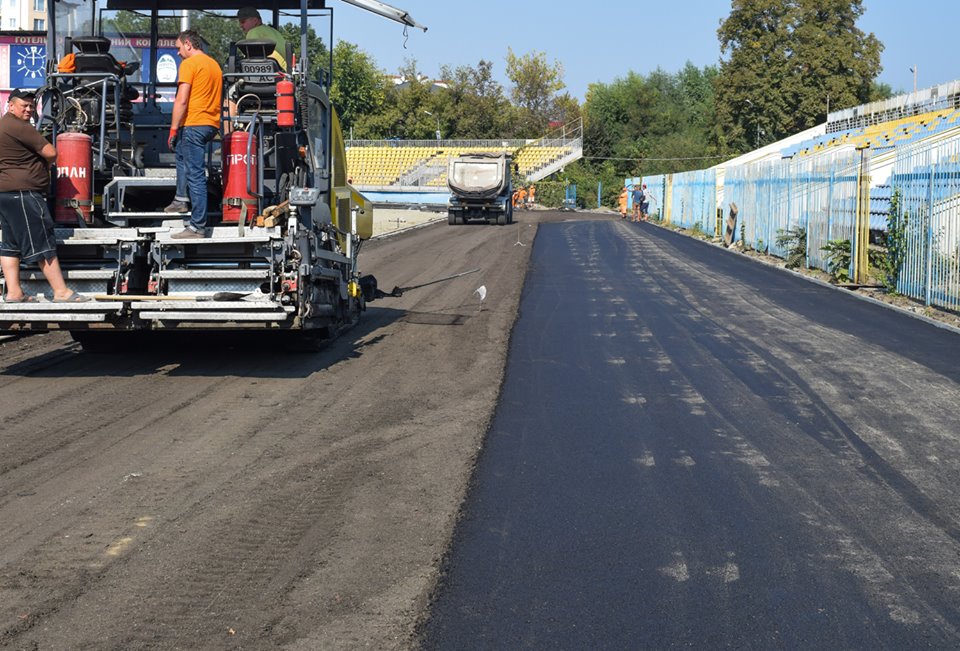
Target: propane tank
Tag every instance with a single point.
(285, 103)
(74, 180)
(237, 169)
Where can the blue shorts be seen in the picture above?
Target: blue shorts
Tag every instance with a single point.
(26, 227)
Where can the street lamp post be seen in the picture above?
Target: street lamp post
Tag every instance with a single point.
(914, 71)
(438, 123)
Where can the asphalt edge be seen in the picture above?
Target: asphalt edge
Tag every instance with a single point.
(816, 281)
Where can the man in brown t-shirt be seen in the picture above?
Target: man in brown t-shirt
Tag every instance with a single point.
(25, 222)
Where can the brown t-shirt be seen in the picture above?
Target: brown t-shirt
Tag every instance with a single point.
(21, 165)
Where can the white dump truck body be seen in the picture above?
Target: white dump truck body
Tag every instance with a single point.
(480, 188)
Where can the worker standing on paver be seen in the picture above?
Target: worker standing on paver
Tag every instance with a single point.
(194, 123)
(254, 29)
(28, 235)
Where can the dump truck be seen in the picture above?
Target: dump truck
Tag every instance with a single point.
(284, 228)
(480, 188)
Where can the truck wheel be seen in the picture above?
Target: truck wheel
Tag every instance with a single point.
(451, 219)
(502, 219)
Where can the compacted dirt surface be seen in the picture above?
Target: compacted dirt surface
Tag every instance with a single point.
(204, 496)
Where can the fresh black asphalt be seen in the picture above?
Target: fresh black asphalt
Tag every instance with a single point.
(696, 450)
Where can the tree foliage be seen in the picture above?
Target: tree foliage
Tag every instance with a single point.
(535, 86)
(474, 105)
(359, 88)
(784, 58)
(317, 52)
(644, 125)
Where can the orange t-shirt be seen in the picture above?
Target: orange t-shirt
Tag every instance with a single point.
(206, 87)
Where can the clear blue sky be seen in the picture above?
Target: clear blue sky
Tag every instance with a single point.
(603, 40)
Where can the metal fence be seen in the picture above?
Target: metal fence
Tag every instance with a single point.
(925, 206)
(693, 200)
(816, 193)
(656, 191)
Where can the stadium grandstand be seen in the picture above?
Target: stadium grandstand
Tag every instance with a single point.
(909, 121)
(885, 129)
(420, 166)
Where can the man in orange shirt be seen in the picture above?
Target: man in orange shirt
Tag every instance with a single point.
(195, 122)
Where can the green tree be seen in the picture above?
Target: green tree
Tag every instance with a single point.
(755, 38)
(359, 87)
(218, 31)
(880, 91)
(319, 55)
(783, 59)
(636, 122)
(535, 85)
(616, 118)
(404, 109)
(831, 56)
(473, 105)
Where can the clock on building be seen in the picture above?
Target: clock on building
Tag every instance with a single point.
(27, 63)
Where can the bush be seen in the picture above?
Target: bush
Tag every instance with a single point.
(838, 260)
(794, 240)
(895, 241)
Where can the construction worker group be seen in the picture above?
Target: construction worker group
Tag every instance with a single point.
(524, 197)
(640, 199)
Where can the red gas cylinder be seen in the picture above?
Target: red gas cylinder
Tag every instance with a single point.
(285, 115)
(239, 169)
(74, 178)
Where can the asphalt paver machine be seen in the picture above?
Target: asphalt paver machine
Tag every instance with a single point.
(284, 226)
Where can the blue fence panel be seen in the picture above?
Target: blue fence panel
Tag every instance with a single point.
(694, 200)
(656, 185)
(926, 203)
(817, 193)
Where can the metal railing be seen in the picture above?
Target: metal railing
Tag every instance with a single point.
(935, 98)
(925, 207)
(829, 196)
(819, 194)
(693, 200)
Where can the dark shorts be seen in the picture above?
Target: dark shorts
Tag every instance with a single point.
(644, 207)
(26, 227)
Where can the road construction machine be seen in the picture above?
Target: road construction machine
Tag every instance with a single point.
(480, 188)
(280, 253)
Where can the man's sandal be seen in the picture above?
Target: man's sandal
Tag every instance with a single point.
(72, 298)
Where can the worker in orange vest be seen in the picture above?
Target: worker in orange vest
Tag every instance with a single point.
(622, 202)
(531, 194)
(521, 197)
